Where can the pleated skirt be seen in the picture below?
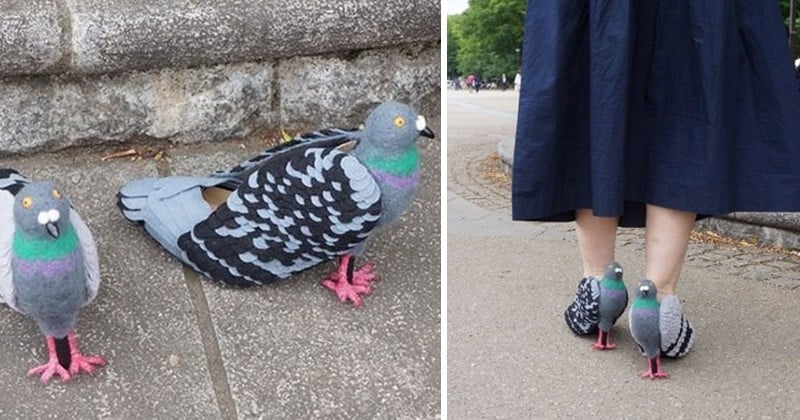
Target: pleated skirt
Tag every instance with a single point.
(686, 104)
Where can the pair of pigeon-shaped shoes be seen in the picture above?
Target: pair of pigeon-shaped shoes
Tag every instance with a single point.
(659, 328)
(318, 197)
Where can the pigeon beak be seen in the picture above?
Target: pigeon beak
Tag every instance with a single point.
(644, 289)
(422, 126)
(52, 229)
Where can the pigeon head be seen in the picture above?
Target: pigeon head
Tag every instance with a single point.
(613, 271)
(40, 210)
(646, 290)
(394, 127)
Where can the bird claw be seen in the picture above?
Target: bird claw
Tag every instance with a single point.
(47, 370)
(85, 363)
(609, 346)
(351, 290)
(345, 290)
(365, 275)
(653, 375)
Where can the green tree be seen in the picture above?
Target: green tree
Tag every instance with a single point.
(488, 37)
(453, 42)
(785, 11)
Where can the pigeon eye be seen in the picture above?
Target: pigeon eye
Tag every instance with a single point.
(399, 121)
(27, 202)
(56, 193)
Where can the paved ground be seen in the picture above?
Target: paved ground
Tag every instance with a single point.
(510, 354)
(182, 347)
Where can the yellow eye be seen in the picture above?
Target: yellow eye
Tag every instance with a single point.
(56, 193)
(399, 121)
(27, 202)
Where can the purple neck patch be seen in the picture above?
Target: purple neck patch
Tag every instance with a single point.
(47, 268)
(399, 182)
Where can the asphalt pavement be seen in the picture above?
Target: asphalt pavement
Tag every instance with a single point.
(179, 347)
(510, 354)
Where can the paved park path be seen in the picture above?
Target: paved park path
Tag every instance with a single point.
(184, 348)
(510, 354)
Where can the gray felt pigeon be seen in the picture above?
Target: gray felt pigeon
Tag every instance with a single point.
(613, 301)
(645, 327)
(315, 198)
(49, 268)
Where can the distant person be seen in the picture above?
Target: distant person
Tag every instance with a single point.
(638, 114)
(470, 82)
(517, 81)
(477, 82)
(503, 82)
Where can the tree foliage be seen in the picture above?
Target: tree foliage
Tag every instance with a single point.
(453, 43)
(785, 11)
(487, 38)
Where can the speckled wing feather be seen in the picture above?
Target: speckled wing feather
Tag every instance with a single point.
(297, 209)
(10, 183)
(677, 334)
(330, 137)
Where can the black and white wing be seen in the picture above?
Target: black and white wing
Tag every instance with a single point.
(330, 137)
(10, 183)
(296, 210)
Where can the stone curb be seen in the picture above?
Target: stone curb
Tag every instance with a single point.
(214, 103)
(101, 36)
(773, 229)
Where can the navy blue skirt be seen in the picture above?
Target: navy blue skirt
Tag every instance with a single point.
(690, 105)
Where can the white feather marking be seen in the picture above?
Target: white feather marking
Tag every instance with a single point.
(235, 204)
(333, 211)
(304, 178)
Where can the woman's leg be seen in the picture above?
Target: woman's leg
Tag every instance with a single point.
(666, 238)
(596, 239)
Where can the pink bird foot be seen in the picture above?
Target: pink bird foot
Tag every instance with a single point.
(353, 287)
(654, 373)
(79, 361)
(604, 341)
(52, 367)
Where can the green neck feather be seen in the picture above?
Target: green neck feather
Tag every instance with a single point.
(402, 165)
(27, 247)
(645, 303)
(612, 284)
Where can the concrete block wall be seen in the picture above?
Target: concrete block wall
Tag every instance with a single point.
(96, 71)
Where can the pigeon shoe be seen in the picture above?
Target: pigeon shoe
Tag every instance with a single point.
(677, 333)
(583, 315)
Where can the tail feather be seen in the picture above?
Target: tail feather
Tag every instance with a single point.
(167, 207)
